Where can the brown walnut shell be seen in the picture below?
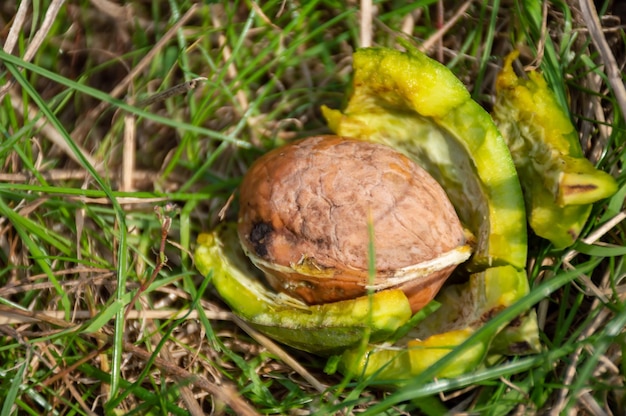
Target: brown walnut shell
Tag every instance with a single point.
(308, 211)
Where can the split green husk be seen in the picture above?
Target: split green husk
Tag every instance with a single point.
(323, 329)
(559, 183)
(416, 105)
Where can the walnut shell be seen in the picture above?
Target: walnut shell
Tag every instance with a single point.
(308, 211)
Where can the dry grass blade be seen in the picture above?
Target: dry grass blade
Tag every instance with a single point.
(8, 317)
(38, 39)
(613, 71)
(366, 17)
(128, 153)
(62, 175)
(438, 35)
(597, 234)
(46, 25)
(16, 27)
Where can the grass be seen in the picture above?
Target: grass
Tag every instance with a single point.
(102, 195)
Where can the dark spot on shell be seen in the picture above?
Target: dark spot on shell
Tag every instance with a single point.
(259, 237)
(323, 242)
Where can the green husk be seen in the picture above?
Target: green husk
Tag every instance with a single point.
(416, 105)
(322, 329)
(464, 308)
(559, 183)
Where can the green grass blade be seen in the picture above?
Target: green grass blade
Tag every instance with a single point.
(12, 391)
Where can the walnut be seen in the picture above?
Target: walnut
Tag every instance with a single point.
(309, 211)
